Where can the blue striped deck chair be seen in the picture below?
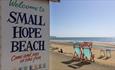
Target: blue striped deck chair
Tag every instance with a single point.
(87, 53)
(78, 51)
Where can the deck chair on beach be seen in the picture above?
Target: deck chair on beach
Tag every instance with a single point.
(77, 53)
(87, 55)
(108, 54)
(102, 54)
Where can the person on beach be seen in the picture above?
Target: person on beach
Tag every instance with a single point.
(60, 50)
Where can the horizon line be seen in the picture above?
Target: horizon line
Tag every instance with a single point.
(82, 36)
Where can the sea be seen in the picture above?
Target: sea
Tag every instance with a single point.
(82, 39)
(86, 39)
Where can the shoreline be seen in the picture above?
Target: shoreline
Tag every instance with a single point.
(104, 44)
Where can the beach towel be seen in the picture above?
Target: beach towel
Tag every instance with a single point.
(77, 50)
(87, 53)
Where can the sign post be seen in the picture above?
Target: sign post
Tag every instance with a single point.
(24, 34)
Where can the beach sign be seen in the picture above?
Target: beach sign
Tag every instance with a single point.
(24, 34)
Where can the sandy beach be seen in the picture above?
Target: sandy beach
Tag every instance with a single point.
(63, 62)
(68, 51)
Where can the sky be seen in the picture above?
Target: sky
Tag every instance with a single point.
(82, 18)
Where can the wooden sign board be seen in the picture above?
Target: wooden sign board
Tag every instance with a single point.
(24, 34)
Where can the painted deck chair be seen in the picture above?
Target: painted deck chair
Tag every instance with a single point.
(78, 51)
(77, 54)
(87, 53)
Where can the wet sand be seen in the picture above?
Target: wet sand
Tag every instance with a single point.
(61, 62)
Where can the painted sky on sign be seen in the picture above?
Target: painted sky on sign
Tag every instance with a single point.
(83, 18)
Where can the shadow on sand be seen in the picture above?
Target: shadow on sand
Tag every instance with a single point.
(106, 58)
(68, 62)
(75, 64)
(100, 57)
(103, 57)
